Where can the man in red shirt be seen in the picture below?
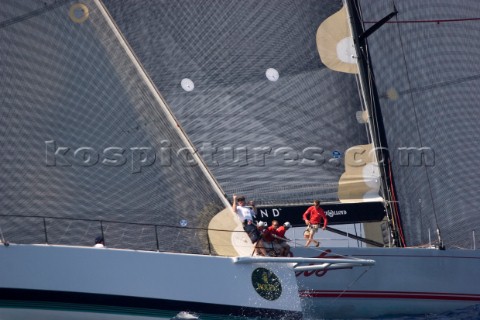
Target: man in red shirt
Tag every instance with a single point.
(269, 237)
(282, 241)
(312, 217)
(269, 233)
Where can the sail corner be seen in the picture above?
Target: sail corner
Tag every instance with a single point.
(335, 43)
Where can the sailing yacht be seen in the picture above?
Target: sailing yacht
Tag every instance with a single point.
(139, 120)
(408, 70)
(368, 106)
(90, 149)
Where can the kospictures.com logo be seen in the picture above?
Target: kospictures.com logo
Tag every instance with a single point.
(229, 156)
(166, 155)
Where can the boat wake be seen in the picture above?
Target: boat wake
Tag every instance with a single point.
(185, 315)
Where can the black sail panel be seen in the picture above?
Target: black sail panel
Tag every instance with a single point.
(271, 121)
(84, 138)
(427, 73)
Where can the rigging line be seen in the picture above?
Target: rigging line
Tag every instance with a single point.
(351, 284)
(355, 237)
(370, 77)
(389, 184)
(364, 108)
(32, 14)
(377, 128)
(438, 21)
(373, 121)
(371, 83)
(418, 129)
(395, 210)
(356, 234)
(71, 220)
(387, 193)
(436, 85)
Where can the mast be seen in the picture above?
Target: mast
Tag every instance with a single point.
(371, 101)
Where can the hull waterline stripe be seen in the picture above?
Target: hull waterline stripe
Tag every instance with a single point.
(61, 300)
(389, 295)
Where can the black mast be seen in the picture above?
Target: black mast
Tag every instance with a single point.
(372, 105)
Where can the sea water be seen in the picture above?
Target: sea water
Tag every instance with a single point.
(470, 313)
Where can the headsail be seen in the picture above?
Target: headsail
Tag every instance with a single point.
(87, 142)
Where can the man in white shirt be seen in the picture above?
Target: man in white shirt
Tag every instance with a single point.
(246, 214)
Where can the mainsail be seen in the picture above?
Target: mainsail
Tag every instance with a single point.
(253, 131)
(88, 145)
(426, 70)
(270, 119)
